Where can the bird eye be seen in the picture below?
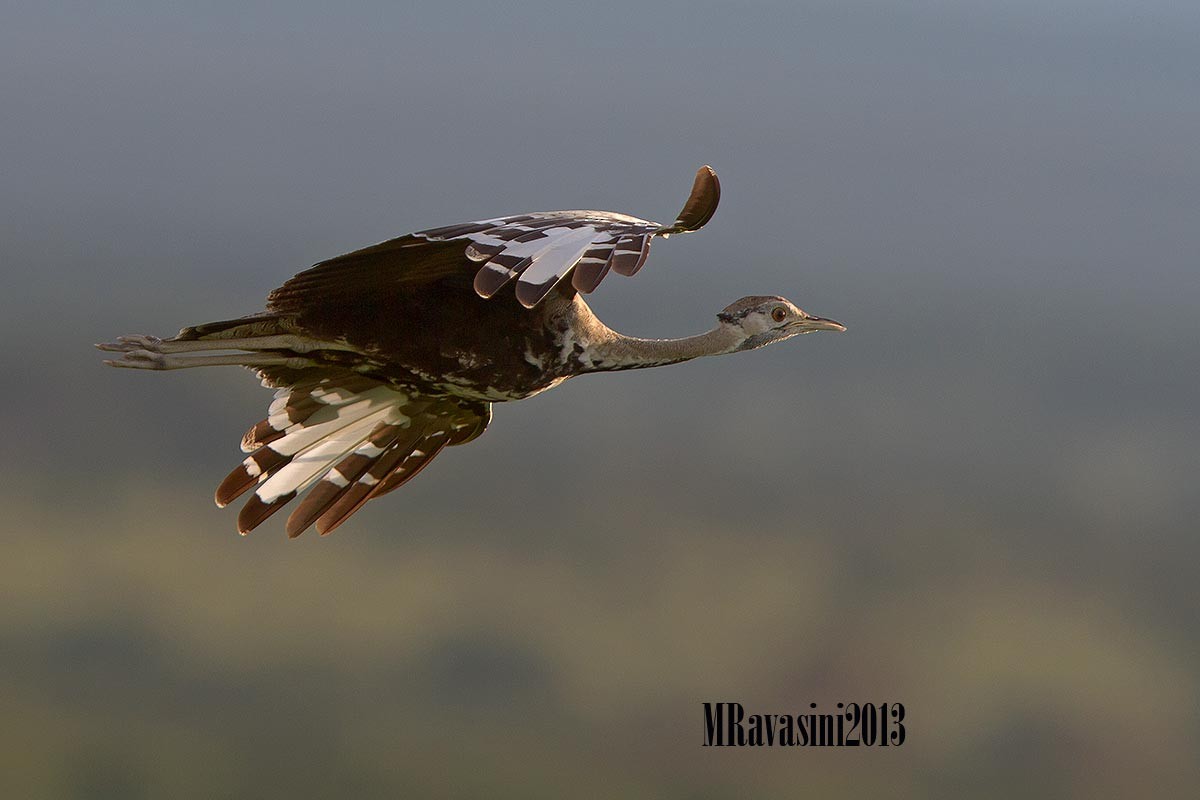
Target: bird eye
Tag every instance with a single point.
(779, 314)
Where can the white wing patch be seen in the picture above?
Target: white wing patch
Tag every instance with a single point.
(318, 458)
(354, 440)
(539, 250)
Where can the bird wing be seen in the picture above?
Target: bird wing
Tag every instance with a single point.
(539, 250)
(348, 437)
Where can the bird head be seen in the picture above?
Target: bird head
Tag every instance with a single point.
(762, 320)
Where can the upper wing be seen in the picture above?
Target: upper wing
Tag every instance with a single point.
(539, 250)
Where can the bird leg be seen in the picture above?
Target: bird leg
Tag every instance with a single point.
(153, 344)
(146, 359)
(150, 352)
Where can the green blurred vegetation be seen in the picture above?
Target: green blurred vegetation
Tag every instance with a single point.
(171, 658)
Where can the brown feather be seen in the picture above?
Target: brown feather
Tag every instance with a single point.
(325, 493)
(701, 203)
(629, 254)
(410, 467)
(255, 512)
(404, 262)
(239, 480)
(358, 493)
(592, 269)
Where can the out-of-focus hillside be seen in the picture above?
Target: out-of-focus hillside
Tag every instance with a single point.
(171, 657)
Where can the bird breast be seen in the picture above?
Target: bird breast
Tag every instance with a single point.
(496, 350)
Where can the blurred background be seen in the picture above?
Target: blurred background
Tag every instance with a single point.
(981, 501)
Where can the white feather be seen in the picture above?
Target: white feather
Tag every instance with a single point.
(318, 459)
(303, 435)
(560, 256)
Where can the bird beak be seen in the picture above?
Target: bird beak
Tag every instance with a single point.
(819, 324)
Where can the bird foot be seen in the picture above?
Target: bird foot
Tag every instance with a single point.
(138, 359)
(126, 344)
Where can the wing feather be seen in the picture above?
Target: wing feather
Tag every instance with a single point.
(701, 203)
(553, 263)
(538, 251)
(340, 478)
(334, 433)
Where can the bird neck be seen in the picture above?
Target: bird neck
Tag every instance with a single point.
(615, 351)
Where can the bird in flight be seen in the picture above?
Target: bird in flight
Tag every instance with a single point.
(383, 357)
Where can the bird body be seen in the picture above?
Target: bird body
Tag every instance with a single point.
(385, 356)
